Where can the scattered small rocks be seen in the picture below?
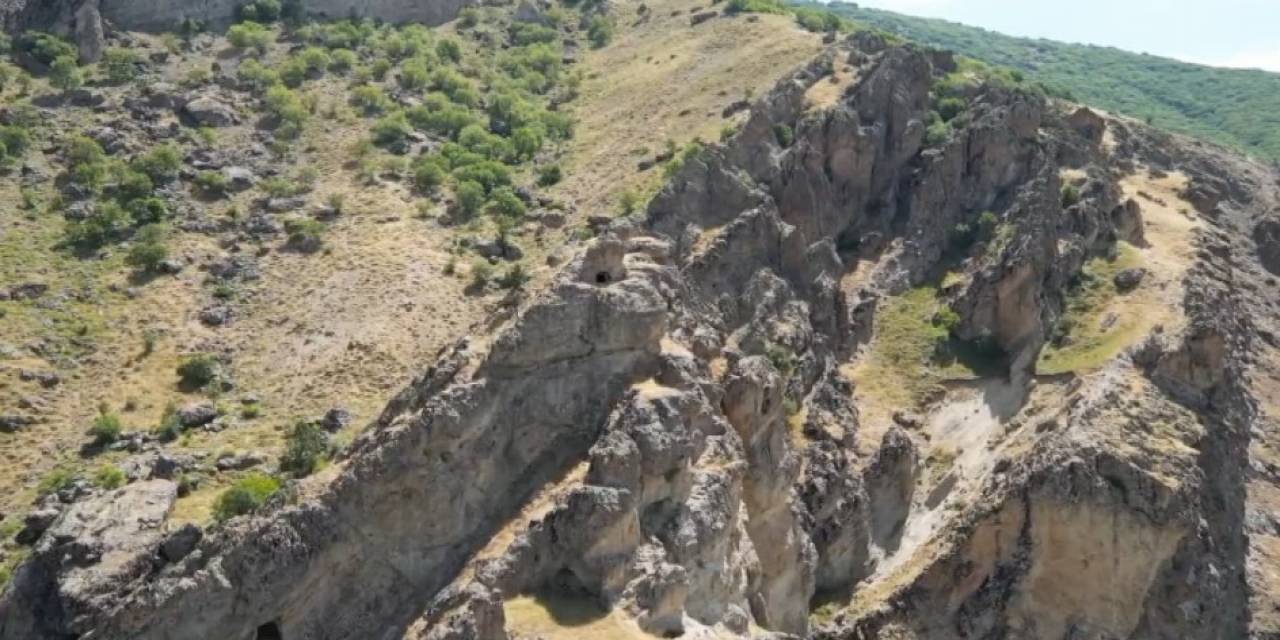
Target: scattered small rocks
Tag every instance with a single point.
(216, 316)
(46, 379)
(12, 423)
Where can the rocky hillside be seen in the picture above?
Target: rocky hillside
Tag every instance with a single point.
(911, 352)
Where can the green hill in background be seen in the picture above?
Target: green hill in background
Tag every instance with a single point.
(1236, 107)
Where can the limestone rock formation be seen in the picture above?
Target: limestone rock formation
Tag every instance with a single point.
(669, 430)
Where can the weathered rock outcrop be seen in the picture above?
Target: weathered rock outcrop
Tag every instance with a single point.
(676, 398)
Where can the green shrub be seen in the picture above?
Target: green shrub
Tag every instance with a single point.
(55, 481)
(527, 141)
(199, 370)
(106, 428)
(286, 107)
(149, 249)
(15, 139)
(1070, 195)
(256, 76)
(305, 234)
(132, 184)
(515, 277)
(549, 175)
(371, 99)
(949, 108)
(937, 133)
(449, 50)
(783, 134)
(246, 495)
(527, 33)
(305, 449)
(316, 60)
(818, 21)
(65, 74)
(392, 129)
(469, 17)
(600, 31)
(108, 222)
(212, 182)
(250, 35)
(46, 47)
(109, 477)
(488, 173)
(160, 164)
(428, 175)
(414, 75)
(755, 6)
(260, 10)
(343, 60)
(481, 273)
(169, 427)
(470, 195)
(121, 65)
(628, 202)
(293, 72)
(505, 202)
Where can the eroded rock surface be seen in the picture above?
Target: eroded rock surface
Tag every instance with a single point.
(669, 430)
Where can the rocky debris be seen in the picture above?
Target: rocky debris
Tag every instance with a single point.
(197, 414)
(1129, 279)
(284, 205)
(46, 379)
(1088, 123)
(27, 291)
(239, 178)
(13, 422)
(216, 315)
(242, 461)
(207, 111)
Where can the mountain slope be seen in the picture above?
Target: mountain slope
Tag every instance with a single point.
(1236, 107)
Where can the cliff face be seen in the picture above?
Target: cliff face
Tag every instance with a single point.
(671, 429)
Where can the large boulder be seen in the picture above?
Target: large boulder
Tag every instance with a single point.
(207, 111)
(84, 558)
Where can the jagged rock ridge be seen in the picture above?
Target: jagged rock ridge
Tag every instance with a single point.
(692, 364)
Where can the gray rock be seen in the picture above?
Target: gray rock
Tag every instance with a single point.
(282, 205)
(1129, 279)
(239, 178)
(207, 111)
(179, 544)
(46, 379)
(240, 462)
(216, 316)
(35, 524)
(12, 423)
(195, 415)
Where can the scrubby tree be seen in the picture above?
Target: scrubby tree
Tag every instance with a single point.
(65, 74)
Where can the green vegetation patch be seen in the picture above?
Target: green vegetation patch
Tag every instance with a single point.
(246, 495)
(913, 351)
(1092, 331)
(1236, 107)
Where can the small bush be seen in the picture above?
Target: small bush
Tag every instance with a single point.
(628, 202)
(1070, 195)
(56, 481)
(783, 134)
(428, 175)
(160, 164)
(370, 99)
(121, 65)
(600, 31)
(481, 273)
(391, 130)
(505, 202)
(549, 175)
(449, 50)
(515, 277)
(46, 47)
(937, 133)
(212, 182)
(949, 108)
(343, 60)
(108, 222)
(109, 477)
(250, 35)
(256, 76)
(469, 17)
(471, 196)
(305, 450)
(149, 249)
(106, 428)
(305, 234)
(169, 428)
(246, 495)
(65, 74)
(199, 370)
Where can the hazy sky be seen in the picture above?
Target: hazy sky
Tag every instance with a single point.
(1235, 33)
